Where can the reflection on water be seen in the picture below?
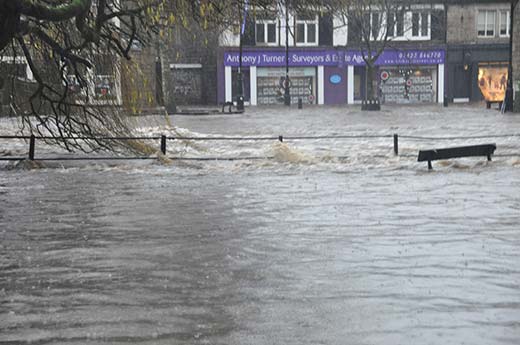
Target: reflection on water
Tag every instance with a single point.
(161, 256)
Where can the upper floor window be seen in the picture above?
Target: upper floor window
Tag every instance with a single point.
(504, 24)
(266, 33)
(395, 25)
(486, 23)
(307, 29)
(420, 24)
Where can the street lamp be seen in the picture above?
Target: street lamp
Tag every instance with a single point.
(287, 86)
(240, 76)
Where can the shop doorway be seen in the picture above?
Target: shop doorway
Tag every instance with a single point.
(462, 83)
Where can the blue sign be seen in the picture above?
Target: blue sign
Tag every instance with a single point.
(335, 79)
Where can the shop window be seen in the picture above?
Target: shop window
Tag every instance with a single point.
(307, 29)
(486, 23)
(409, 84)
(420, 24)
(271, 83)
(266, 32)
(504, 23)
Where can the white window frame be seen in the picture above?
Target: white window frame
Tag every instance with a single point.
(487, 12)
(420, 36)
(508, 23)
(380, 32)
(395, 36)
(265, 23)
(19, 60)
(307, 23)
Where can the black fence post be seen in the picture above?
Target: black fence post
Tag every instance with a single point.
(396, 144)
(163, 144)
(32, 143)
(280, 138)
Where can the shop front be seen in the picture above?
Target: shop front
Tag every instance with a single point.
(470, 69)
(416, 84)
(270, 85)
(332, 76)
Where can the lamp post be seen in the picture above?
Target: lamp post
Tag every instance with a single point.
(287, 94)
(240, 76)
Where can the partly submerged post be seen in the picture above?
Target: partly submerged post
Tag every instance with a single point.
(163, 144)
(396, 144)
(32, 142)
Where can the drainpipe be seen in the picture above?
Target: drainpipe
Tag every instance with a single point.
(509, 90)
(287, 94)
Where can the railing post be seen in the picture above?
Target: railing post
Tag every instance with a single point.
(396, 144)
(32, 143)
(163, 144)
(280, 138)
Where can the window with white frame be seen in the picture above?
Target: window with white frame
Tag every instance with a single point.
(421, 24)
(266, 32)
(486, 23)
(505, 18)
(375, 25)
(395, 25)
(307, 29)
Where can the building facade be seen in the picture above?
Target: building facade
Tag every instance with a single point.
(478, 34)
(325, 59)
(456, 50)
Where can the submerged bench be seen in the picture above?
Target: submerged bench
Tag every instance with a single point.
(456, 152)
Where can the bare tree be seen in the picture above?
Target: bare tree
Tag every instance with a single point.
(372, 24)
(68, 45)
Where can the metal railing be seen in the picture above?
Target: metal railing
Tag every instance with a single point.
(164, 139)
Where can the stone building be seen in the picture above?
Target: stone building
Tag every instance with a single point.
(477, 48)
(178, 70)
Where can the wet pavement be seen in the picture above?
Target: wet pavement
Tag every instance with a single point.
(368, 249)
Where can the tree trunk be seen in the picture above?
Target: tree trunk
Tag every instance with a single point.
(371, 90)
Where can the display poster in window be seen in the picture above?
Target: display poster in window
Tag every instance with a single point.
(492, 82)
(407, 85)
(271, 84)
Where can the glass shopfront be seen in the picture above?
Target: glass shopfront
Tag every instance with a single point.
(408, 84)
(271, 85)
(492, 81)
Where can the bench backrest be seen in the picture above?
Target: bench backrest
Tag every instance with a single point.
(454, 152)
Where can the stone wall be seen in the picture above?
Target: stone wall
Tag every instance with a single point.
(462, 23)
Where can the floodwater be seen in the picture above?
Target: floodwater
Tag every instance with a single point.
(305, 248)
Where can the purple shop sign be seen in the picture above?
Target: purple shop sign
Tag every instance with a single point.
(277, 58)
(333, 58)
